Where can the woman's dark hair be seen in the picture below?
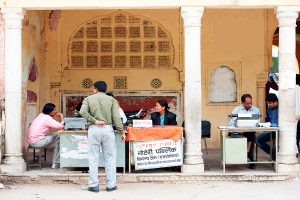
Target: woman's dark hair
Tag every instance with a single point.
(271, 97)
(48, 108)
(164, 103)
(243, 98)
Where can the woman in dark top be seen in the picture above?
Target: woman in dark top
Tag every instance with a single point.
(163, 116)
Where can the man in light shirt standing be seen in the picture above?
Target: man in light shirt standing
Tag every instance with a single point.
(39, 131)
(102, 112)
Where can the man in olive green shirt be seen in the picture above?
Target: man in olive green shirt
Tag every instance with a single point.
(102, 112)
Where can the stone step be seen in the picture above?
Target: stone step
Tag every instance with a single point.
(146, 177)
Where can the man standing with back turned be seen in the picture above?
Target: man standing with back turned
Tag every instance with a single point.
(102, 111)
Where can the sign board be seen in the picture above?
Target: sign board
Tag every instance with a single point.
(142, 123)
(157, 154)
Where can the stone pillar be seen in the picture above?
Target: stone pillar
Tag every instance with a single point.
(14, 162)
(287, 16)
(2, 84)
(193, 162)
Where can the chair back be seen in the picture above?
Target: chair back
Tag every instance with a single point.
(205, 127)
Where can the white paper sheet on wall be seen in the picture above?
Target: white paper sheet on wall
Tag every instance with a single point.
(83, 147)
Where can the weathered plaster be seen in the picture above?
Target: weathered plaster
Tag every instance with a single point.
(53, 18)
(33, 43)
(33, 71)
(223, 87)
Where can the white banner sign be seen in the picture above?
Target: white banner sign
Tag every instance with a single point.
(139, 123)
(157, 153)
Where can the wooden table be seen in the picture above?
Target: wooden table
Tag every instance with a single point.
(225, 130)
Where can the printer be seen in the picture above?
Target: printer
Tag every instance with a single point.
(247, 120)
(74, 123)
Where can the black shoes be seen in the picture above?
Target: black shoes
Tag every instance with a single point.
(111, 189)
(94, 189)
(252, 166)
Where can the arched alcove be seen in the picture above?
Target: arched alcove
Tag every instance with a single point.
(223, 85)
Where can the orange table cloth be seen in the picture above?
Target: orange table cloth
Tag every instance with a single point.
(154, 133)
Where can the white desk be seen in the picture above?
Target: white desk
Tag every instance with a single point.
(225, 130)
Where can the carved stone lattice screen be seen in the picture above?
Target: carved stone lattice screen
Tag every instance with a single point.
(121, 40)
(120, 82)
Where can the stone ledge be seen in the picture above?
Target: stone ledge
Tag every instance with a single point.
(150, 178)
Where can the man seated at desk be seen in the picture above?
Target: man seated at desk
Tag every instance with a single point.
(246, 107)
(39, 131)
(272, 117)
(163, 116)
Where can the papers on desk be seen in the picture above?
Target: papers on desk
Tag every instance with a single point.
(226, 127)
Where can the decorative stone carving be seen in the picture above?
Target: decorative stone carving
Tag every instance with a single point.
(106, 61)
(120, 47)
(79, 33)
(120, 82)
(87, 83)
(135, 61)
(77, 47)
(77, 61)
(121, 40)
(135, 46)
(149, 61)
(120, 61)
(149, 46)
(106, 46)
(156, 83)
(106, 32)
(91, 61)
(149, 31)
(92, 47)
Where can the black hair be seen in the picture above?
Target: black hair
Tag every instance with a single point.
(243, 98)
(164, 103)
(78, 107)
(48, 108)
(297, 79)
(271, 97)
(100, 86)
(110, 94)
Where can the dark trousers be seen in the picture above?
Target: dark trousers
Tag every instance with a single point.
(298, 134)
(250, 138)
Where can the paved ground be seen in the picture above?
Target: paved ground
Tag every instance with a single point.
(147, 191)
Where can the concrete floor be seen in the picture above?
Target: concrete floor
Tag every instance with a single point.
(158, 191)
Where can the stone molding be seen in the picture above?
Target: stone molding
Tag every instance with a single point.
(192, 16)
